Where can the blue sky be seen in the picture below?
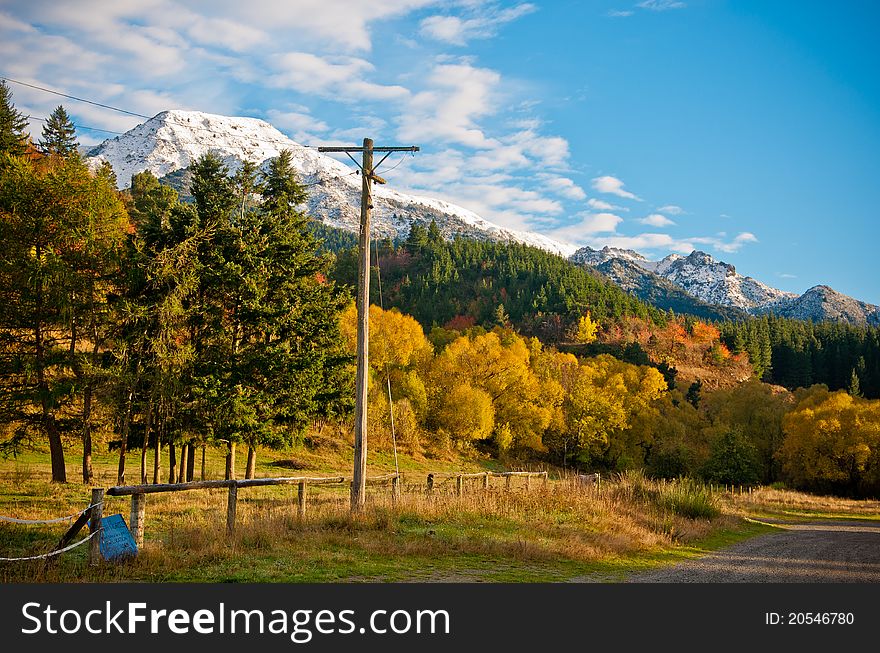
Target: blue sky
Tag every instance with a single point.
(747, 129)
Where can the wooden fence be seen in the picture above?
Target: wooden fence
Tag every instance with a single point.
(139, 499)
(484, 477)
(139, 493)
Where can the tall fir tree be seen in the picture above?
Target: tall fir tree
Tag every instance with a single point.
(59, 134)
(13, 139)
(58, 222)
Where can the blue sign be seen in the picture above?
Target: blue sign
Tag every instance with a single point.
(116, 539)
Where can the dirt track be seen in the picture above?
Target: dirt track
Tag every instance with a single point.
(814, 552)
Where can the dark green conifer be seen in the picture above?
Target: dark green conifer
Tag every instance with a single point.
(12, 124)
(59, 134)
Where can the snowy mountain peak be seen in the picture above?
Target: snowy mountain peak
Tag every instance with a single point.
(172, 140)
(597, 257)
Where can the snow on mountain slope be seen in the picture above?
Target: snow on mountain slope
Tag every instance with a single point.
(172, 140)
(717, 282)
(595, 257)
(702, 281)
(824, 303)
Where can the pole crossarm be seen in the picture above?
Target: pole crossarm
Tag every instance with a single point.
(354, 148)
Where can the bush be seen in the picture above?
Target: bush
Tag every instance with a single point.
(690, 499)
(733, 459)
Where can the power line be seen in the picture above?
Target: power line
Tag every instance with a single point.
(94, 129)
(396, 165)
(73, 97)
(127, 112)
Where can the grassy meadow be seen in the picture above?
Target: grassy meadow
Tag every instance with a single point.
(557, 532)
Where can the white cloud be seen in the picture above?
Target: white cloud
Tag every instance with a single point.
(341, 78)
(615, 13)
(458, 95)
(601, 205)
(671, 209)
(612, 186)
(657, 220)
(301, 126)
(566, 188)
(642, 242)
(583, 231)
(661, 5)
(728, 246)
(662, 244)
(786, 275)
(457, 31)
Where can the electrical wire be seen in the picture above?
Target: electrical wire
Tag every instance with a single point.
(73, 97)
(94, 129)
(387, 372)
(396, 165)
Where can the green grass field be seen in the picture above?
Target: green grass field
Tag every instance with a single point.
(558, 533)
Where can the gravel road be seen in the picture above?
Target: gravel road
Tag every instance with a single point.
(814, 552)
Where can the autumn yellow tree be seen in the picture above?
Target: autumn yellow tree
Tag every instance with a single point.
(832, 443)
(466, 414)
(609, 409)
(756, 410)
(586, 329)
(498, 363)
(399, 354)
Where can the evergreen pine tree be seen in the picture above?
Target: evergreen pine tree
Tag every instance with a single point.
(59, 134)
(434, 235)
(854, 388)
(12, 124)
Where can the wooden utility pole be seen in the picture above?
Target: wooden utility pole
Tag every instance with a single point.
(368, 176)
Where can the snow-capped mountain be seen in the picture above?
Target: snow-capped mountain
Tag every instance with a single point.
(831, 305)
(596, 257)
(170, 141)
(716, 282)
(702, 280)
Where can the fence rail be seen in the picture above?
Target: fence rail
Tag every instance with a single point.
(138, 494)
(485, 476)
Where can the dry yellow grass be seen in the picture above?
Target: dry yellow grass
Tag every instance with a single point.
(536, 529)
(790, 503)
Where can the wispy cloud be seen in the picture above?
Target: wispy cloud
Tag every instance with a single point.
(601, 205)
(671, 209)
(341, 78)
(584, 229)
(485, 22)
(565, 187)
(620, 13)
(661, 5)
(613, 186)
(656, 220)
(660, 243)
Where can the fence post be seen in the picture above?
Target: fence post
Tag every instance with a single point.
(507, 483)
(544, 482)
(95, 525)
(138, 514)
(395, 490)
(458, 485)
(301, 500)
(528, 482)
(486, 480)
(231, 502)
(430, 483)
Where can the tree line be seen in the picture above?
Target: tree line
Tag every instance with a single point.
(165, 323)
(795, 353)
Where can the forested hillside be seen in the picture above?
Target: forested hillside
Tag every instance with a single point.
(466, 282)
(478, 282)
(795, 354)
